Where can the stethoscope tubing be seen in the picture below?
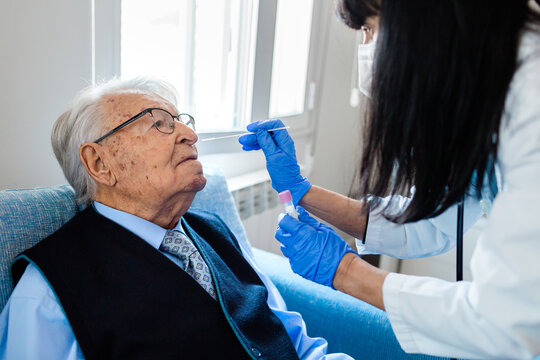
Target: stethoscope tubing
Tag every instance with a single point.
(459, 241)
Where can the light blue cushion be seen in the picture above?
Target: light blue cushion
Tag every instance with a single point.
(29, 215)
(26, 217)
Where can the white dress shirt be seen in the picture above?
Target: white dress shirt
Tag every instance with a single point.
(33, 324)
(497, 314)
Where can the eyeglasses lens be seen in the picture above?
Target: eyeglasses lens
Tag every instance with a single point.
(164, 121)
(188, 121)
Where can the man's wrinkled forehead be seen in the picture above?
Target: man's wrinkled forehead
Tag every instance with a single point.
(119, 107)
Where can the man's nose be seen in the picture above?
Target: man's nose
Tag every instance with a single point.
(184, 134)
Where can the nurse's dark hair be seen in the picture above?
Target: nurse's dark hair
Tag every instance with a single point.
(442, 71)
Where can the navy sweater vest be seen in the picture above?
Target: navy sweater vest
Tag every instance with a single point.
(126, 300)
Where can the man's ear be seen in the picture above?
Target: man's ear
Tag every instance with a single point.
(94, 158)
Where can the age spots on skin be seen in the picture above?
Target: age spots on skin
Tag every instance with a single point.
(114, 147)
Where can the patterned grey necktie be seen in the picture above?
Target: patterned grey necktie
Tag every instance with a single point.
(177, 243)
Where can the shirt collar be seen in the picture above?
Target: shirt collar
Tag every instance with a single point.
(146, 230)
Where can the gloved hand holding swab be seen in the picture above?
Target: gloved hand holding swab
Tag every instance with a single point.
(281, 163)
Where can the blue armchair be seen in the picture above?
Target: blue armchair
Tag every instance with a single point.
(350, 326)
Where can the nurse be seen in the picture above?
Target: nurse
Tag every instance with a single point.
(454, 113)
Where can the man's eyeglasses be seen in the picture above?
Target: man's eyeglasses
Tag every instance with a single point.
(162, 119)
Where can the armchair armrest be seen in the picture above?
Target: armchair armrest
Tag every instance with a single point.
(349, 325)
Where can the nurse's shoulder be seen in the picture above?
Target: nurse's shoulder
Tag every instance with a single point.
(519, 143)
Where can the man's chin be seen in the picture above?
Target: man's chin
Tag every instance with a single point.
(199, 183)
(193, 170)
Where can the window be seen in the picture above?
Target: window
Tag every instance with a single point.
(204, 48)
(290, 64)
(232, 61)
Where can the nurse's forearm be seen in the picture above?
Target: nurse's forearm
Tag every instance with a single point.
(342, 212)
(357, 278)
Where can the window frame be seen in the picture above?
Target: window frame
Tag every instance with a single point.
(106, 64)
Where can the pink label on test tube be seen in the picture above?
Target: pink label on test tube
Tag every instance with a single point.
(285, 196)
(286, 199)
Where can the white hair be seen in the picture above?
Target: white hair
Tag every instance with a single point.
(83, 123)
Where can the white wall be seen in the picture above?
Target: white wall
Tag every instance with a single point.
(338, 131)
(45, 51)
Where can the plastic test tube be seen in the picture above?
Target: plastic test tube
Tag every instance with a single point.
(286, 199)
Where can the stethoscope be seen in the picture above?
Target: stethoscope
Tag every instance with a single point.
(494, 189)
(493, 186)
(459, 240)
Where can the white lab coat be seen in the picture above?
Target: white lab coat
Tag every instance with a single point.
(497, 314)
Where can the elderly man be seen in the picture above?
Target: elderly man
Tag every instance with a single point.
(136, 275)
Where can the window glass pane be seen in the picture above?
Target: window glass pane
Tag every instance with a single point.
(205, 50)
(291, 53)
(153, 40)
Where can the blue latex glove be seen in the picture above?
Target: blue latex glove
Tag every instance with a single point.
(278, 148)
(314, 249)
